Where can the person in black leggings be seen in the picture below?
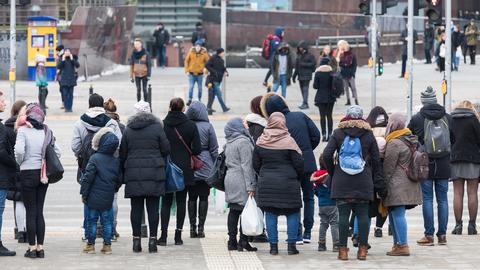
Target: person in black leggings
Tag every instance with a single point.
(324, 99)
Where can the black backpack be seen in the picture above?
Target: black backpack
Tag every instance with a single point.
(337, 85)
(219, 171)
(86, 151)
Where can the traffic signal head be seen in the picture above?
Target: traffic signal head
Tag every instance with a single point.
(434, 11)
(380, 66)
(364, 7)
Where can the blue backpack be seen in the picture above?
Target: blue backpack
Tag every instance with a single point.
(350, 157)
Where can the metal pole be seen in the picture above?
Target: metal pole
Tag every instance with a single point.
(13, 51)
(373, 41)
(410, 60)
(448, 57)
(223, 41)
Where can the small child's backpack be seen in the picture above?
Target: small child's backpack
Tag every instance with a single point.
(350, 157)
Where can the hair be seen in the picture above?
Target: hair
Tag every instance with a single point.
(138, 40)
(109, 105)
(343, 44)
(373, 116)
(177, 104)
(255, 105)
(95, 100)
(160, 23)
(468, 105)
(16, 107)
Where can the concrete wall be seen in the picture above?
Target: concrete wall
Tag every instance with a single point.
(21, 55)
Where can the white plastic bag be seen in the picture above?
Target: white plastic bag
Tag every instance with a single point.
(252, 218)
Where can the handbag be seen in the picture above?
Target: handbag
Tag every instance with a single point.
(174, 177)
(53, 165)
(195, 162)
(217, 177)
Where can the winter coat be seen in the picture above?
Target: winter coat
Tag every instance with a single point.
(428, 37)
(471, 35)
(279, 175)
(348, 64)
(403, 39)
(216, 68)
(439, 168)
(195, 62)
(102, 175)
(323, 83)
(301, 128)
(401, 190)
(240, 178)
(67, 69)
(305, 64)
(276, 65)
(324, 196)
(142, 59)
(364, 185)
(197, 112)
(199, 33)
(179, 154)
(142, 156)
(256, 124)
(466, 127)
(275, 43)
(16, 186)
(162, 37)
(8, 165)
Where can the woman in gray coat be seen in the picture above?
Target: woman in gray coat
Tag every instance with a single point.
(403, 193)
(240, 179)
(197, 112)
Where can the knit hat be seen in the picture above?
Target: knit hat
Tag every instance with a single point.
(324, 61)
(220, 50)
(95, 100)
(355, 112)
(142, 106)
(429, 96)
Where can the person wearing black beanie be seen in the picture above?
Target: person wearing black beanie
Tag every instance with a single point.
(216, 69)
(95, 100)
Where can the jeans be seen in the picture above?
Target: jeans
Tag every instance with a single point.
(3, 197)
(441, 190)
(349, 84)
(328, 218)
(42, 97)
(68, 97)
(86, 215)
(192, 79)
(355, 225)
(213, 92)
(281, 81)
(162, 55)
(106, 219)
(308, 206)
(137, 212)
(361, 212)
(304, 89)
(398, 223)
(428, 56)
(456, 62)
(272, 229)
(141, 83)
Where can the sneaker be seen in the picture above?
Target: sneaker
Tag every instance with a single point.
(306, 238)
(265, 84)
(322, 246)
(427, 240)
(378, 232)
(107, 249)
(32, 254)
(442, 240)
(89, 249)
(226, 110)
(303, 107)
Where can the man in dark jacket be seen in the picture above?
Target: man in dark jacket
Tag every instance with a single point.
(428, 37)
(68, 80)
(439, 170)
(216, 69)
(8, 167)
(282, 68)
(307, 136)
(199, 33)
(162, 38)
(304, 67)
(404, 40)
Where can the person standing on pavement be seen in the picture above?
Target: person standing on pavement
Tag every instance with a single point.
(282, 68)
(304, 67)
(41, 80)
(8, 170)
(471, 36)
(274, 44)
(200, 190)
(199, 33)
(162, 39)
(255, 121)
(216, 69)
(195, 62)
(68, 77)
(184, 138)
(143, 150)
(433, 115)
(240, 181)
(329, 53)
(33, 136)
(428, 38)
(465, 163)
(140, 69)
(441, 52)
(307, 136)
(60, 50)
(404, 40)
(348, 68)
(403, 193)
(324, 99)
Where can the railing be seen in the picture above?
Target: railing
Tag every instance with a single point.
(359, 40)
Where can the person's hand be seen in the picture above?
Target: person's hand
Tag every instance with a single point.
(132, 80)
(63, 57)
(251, 194)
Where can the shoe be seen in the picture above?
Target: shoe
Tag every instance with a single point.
(152, 245)
(401, 76)
(378, 233)
(22, 237)
(137, 244)
(189, 102)
(232, 244)
(262, 238)
(427, 240)
(178, 237)
(299, 242)
(324, 138)
(472, 228)
(355, 240)
(442, 240)
(243, 244)
(265, 84)
(335, 247)
(41, 254)
(322, 246)
(273, 249)
(117, 235)
(202, 217)
(458, 228)
(210, 112)
(306, 238)
(348, 103)
(4, 252)
(89, 249)
(162, 241)
(32, 254)
(193, 231)
(84, 239)
(399, 250)
(292, 249)
(226, 110)
(192, 216)
(362, 253)
(68, 111)
(106, 249)
(343, 253)
(144, 231)
(356, 101)
(303, 107)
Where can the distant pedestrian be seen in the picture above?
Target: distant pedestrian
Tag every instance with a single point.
(274, 44)
(195, 62)
(199, 34)
(404, 40)
(68, 77)
(471, 35)
(60, 50)
(457, 40)
(428, 38)
(162, 39)
(255, 121)
(41, 80)
(441, 53)
(348, 69)
(140, 69)
(304, 67)
(330, 54)
(324, 98)
(216, 69)
(282, 68)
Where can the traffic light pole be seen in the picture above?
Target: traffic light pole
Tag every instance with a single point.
(410, 45)
(13, 51)
(223, 41)
(373, 43)
(448, 57)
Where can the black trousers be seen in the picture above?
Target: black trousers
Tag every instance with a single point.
(232, 223)
(304, 89)
(136, 213)
(404, 64)
(269, 73)
(428, 56)
(361, 211)
(181, 200)
(42, 97)
(473, 53)
(201, 190)
(326, 111)
(33, 194)
(141, 83)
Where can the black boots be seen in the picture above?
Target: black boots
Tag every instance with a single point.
(152, 245)
(192, 216)
(5, 252)
(202, 216)
(292, 249)
(137, 244)
(162, 241)
(232, 243)
(178, 237)
(472, 227)
(458, 228)
(273, 249)
(243, 244)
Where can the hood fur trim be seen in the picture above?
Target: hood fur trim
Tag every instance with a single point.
(355, 124)
(263, 103)
(256, 119)
(324, 68)
(96, 138)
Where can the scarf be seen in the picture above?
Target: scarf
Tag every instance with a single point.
(398, 133)
(276, 136)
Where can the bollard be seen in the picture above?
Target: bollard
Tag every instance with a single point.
(149, 96)
(90, 90)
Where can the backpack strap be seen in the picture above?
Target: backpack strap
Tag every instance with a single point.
(412, 148)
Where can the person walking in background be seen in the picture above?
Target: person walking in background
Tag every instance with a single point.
(471, 36)
(240, 181)
(32, 137)
(162, 39)
(441, 52)
(140, 69)
(428, 38)
(60, 50)
(199, 33)
(274, 44)
(324, 99)
(255, 121)
(465, 163)
(433, 118)
(282, 68)
(457, 40)
(304, 67)
(143, 150)
(184, 138)
(68, 77)
(195, 62)
(329, 53)
(216, 69)
(41, 80)
(348, 69)
(200, 190)
(404, 40)
(403, 193)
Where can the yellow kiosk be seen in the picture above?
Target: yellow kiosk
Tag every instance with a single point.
(42, 41)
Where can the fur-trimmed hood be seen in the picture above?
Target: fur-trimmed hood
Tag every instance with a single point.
(105, 141)
(256, 119)
(271, 102)
(355, 127)
(324, 68)
(142, 120)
